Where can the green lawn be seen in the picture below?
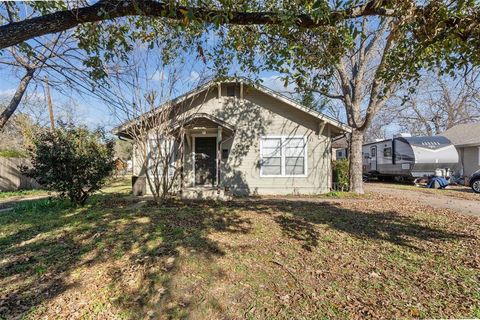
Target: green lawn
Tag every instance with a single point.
(5, 195)
(258, 259)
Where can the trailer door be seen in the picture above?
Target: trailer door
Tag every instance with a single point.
(373, 158)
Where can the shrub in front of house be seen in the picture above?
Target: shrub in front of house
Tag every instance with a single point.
(73, 161)
(340, 175)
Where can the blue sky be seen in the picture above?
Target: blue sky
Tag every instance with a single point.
(93, 111)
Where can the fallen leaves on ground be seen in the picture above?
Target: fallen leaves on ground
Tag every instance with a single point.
(375, 257)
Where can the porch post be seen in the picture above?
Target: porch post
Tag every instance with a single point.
(219, 154)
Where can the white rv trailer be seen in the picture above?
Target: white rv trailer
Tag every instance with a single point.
(407, 157)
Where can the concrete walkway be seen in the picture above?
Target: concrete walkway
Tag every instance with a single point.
(469, 207)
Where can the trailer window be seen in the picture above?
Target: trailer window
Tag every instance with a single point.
(387, 152)
(373, 152)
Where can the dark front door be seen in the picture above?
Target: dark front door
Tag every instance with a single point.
(205, 160)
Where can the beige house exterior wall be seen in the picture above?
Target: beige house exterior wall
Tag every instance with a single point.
(256, 115)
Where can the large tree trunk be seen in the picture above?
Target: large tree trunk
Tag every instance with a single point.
(17, 97)
(355, 170)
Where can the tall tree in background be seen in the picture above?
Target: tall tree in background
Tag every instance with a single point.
(31, 61)
(360, 63)
(439, 103)
(359, 76)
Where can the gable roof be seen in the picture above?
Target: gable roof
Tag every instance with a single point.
(199, 118)
(464, 135)
(208, 85)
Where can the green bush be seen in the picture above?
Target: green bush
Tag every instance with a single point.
(340, 175)
(72, 161)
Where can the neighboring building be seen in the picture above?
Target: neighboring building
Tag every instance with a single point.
(248, 139)
(466, 138)
(11, 177)
(340, 148)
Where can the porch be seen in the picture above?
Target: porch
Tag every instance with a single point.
(208, 141)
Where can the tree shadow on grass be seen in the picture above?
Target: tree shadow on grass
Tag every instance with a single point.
(47, 250)
(298, 218)
(42, 249)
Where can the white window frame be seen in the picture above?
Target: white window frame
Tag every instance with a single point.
(283, 161)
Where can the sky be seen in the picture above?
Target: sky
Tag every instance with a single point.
(94, 112)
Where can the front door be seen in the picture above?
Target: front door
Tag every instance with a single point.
(373, 158)
(205, 160)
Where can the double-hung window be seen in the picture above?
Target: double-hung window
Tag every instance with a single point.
(271, 151)
(283, 156)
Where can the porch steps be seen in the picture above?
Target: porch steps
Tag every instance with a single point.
(205, 193)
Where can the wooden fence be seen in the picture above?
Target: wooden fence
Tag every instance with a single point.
(11, 178)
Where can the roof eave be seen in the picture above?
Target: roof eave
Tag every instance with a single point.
(466, 145)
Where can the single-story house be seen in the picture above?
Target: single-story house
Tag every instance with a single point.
(466, 139)
(244, 138)
(340, 147)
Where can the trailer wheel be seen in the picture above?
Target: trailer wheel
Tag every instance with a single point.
(476, 185)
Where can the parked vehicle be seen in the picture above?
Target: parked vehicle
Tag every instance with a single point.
(475, 181)
(408, 158)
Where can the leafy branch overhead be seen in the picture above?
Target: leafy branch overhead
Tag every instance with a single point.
(434, 20)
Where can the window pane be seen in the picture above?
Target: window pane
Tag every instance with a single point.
(272, 166)
(272, 161)
(294, 147)
(294, 165)
(387, 152)
(271, 147)
(294, 142)
(271, 142)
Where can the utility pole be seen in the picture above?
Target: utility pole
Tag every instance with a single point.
(49, 103)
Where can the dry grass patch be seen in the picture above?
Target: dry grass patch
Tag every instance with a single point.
(457, 192)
